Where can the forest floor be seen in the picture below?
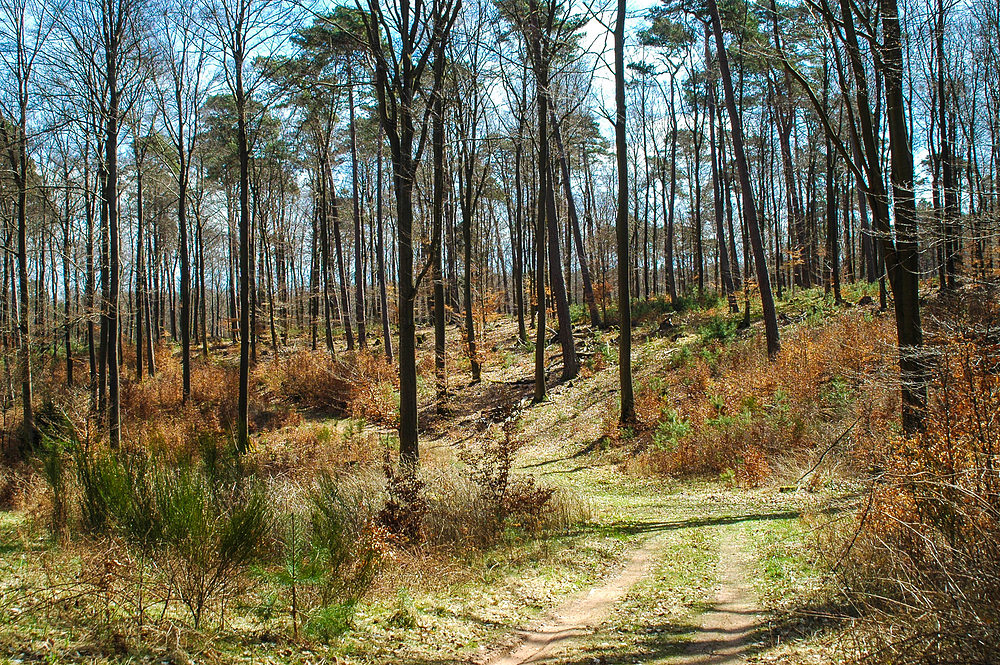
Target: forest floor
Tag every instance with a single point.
(663, 570)
(691, 571)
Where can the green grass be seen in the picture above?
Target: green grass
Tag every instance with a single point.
(788, 574)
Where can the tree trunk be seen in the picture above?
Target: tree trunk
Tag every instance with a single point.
(102, 357)
(67, 248)
(621, 228)
(324, 248)
(749, 207)
(89, 286)
(114, 249)
(359, 275)
(201, 281)
(720, 230)
(437, 213)
(20, 166)
(517, 239)
(243, 407)
(140, 268)
(408, 450)
(669, 235)
(468, 206)
(571, 364)
(185, 261)
(905, 275)
(543, 158)
(574, 222)
(832, 228)
(380, 252)
(345, 303)
(952, 248)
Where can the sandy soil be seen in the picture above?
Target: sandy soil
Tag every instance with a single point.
(581, 613)
(727, 630)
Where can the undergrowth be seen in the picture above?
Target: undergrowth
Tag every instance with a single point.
(719, 406)
(923, 554)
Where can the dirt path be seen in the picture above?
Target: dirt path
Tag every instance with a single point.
(585, 627)
(728, 629)
(580, 614)
(726, 633)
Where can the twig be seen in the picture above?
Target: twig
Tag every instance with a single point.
(825, 452)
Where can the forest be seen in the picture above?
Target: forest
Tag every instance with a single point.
(500, 331)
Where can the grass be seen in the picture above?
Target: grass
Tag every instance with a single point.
(788, 572)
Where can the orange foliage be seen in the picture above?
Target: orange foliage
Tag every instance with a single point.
(948, 476)
(360, 384)
(728, 409)
(357, 384)
(926, 547)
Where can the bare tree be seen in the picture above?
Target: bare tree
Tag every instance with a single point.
(184, 56)
(403, 41)
(746, 188)
(896, 234)
(621, 227)
(471, 108)
(244, 29)
(106, 36)
(24, 29)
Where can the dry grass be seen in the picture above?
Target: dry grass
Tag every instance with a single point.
(360, 384)
(306, 451)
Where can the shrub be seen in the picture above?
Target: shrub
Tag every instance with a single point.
(731, 408)
(836, 395)
(330, 621)
(717, 328)
(405, 614)
(55, 438)
(924, 555)
(490, 465)
(456, 512)
(314, 379)
(53, 467)
(376, 385)
(752, 468)
(14, 479)
(347, 544)
(331, 556)
(649, 403)
(648, 308)
(309, 451)
(214, 392)
(360, 384)
(611, 428)
(211, 532)
(104, 483)
(671, 430)
(405, 506)
(460, 517)
(203, 526)
(526, 503)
